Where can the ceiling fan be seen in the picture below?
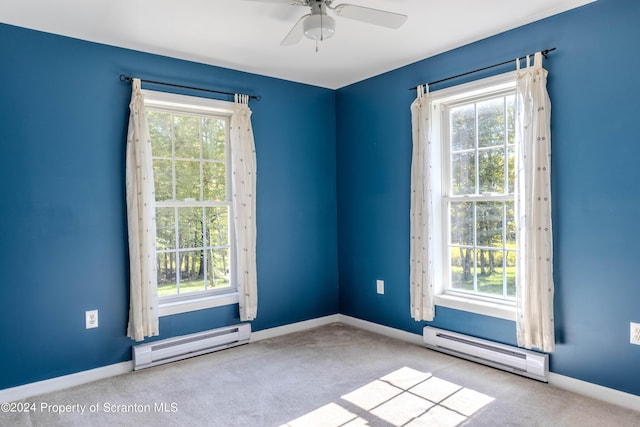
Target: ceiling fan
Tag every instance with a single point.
(319, 26)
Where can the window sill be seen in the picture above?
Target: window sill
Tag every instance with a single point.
(177, 307)
(487, 308)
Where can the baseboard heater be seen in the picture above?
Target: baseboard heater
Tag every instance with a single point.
(182, 347)
(513, 359)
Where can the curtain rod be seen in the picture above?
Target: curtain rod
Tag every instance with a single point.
(544, 53)
(124, 78)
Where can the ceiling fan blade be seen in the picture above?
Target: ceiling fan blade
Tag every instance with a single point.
(296, 33)
(379, 17)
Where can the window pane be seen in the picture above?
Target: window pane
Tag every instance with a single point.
(162, 179)
(491, 164)
(187, 130)
(461, 223)
(511, 225)
(165, 228)
(218, 270)
(190, 227)
(213, 180)
(213, 139)
(511, 164)
(511, 122)
(489, 224)
(160, 133)
(511, 274)
(489, 270)
(191, 271)
(187, 180)
(166, 274)
(462, 268)
(491, 122)
(463, 173)
(482, 233)
(463, 127)
(193, 243)
(217, 226)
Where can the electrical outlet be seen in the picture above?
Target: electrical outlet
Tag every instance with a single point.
(635, 333)
(91, 319)
(380, 286)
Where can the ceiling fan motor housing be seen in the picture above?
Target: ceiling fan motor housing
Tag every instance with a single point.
(319, 27)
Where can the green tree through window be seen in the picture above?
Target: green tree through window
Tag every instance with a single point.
(480, 200)
(192, 201)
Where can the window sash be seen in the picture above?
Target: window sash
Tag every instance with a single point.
(448, 198)
(173, 158)
(177, 249)
(475, 246)
(180, 105)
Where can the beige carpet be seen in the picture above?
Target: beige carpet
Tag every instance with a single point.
(331, 376)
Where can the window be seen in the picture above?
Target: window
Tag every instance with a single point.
(475, 127)
(194, 229)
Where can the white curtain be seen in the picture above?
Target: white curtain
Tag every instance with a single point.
(143, 305)
(243, 169)
(534, 266)
(421, 274)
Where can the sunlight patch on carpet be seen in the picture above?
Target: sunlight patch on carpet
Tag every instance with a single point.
(436, 389)
(332, 415)
(438, 417)
(402, 409)
(405, 397)
(373, 394)
(405, 378)
(467, 401)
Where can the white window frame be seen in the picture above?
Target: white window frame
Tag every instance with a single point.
(441, 100)
(169, 102)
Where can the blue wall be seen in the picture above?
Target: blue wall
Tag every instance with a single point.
(63, 233)
(596, 186)
(63, 241)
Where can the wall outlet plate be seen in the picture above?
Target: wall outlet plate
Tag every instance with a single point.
(91, 319)
(635, 333)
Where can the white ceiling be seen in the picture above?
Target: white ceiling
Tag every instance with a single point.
(245, 35)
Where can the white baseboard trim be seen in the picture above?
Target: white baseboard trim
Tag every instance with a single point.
(595, 391)
(63, 382)
(293, 327)
(382, 330)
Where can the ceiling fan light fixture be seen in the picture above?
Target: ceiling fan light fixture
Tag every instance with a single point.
(319, 27)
